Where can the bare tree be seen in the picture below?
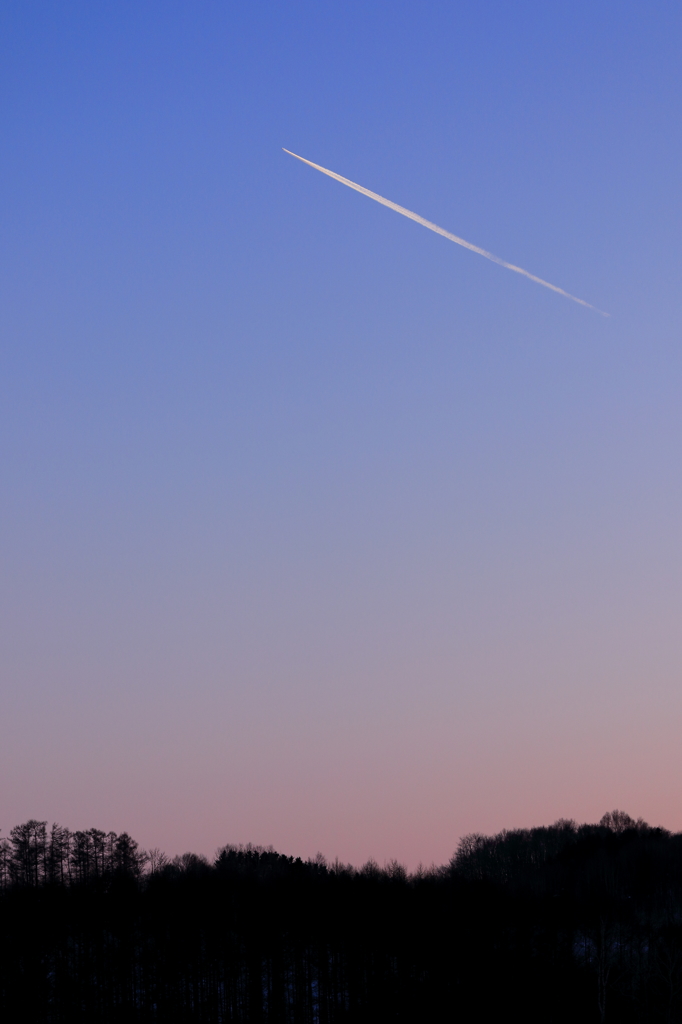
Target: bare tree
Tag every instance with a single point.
(57, 861)
(27, 862)
(618, 821)
(157, 860)
(5, 858)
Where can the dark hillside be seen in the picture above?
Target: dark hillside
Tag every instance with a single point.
(550, 924)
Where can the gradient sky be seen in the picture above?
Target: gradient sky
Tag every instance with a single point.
(317, 530)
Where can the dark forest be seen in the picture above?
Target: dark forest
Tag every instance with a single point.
(564, 923)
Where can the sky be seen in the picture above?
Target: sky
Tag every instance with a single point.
(317, 530)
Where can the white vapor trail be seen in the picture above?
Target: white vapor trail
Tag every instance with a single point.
(444, 233)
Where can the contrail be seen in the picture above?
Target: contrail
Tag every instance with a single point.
(444, 233)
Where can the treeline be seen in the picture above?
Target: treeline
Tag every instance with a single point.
(552, 924)
(32, 856)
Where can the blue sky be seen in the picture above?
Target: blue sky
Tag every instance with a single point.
(318, 530)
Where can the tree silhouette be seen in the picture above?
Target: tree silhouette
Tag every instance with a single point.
(553, 924)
